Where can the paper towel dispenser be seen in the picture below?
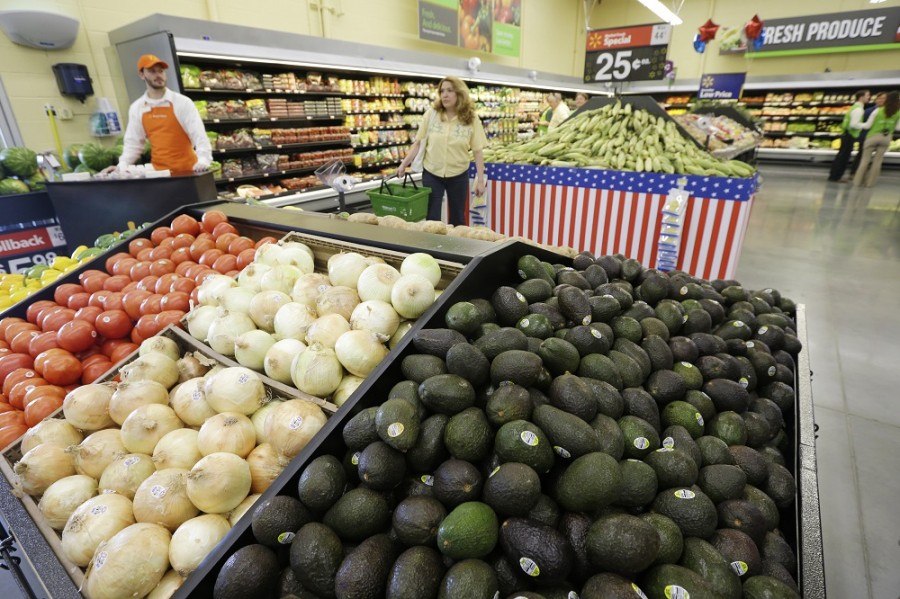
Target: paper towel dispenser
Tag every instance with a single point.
(73, 80)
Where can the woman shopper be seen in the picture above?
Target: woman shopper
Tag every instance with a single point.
(581, 99)
(450, 131)
(560, 111)
(882, 124)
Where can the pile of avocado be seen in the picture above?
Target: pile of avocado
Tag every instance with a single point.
(603, 431)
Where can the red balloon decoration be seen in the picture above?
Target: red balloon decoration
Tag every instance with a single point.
(753, 28)
(708, 31)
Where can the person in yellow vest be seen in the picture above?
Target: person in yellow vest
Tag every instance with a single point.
(850, 130)
(169, 120)
(882, 125)
(544, 119)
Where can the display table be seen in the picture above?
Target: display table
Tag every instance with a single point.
(610, 212)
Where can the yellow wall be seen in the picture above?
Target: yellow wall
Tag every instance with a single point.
(26, 73)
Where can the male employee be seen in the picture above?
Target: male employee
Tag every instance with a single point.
(851, 128)
(170, 122)
(560, 111)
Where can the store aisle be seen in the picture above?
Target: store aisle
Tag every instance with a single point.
(836, 249)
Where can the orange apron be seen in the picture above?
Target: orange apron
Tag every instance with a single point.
(170, 145)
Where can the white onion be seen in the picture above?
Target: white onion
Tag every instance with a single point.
(267, 254)
(235, 389)
(199, 319)
(43, 466)
(412, 295)
(87, 407)
(266, 465)
(422, 264)
(278, 360)
(125, 474)
(402, 330)
(225, 328)
(344, 268)
(212, 289)
(219, 482)
(287, 245)
(193, 541)
(162, 499)
(237, 299)
(309, 287)
(250, 348)
(177, 449)
(376, 282)
(360, 351)
(52, 430)
(92, 522)
(293, 320)
(189, 402)
(280, 277)
(317, 371)
(259, 419)
(292, 425)
(130, 564)
(167, 587)
(229, 432)
(64, 496)
(152, 367)
(348, 385)
(235, 515)
(249, 278)
(97, 451)
(376, 316)
(144, 427)
(326, 330)
(299, 257)
(337, 300)
(192, 365)
(160, 344)
(264, 306)
(130, 396)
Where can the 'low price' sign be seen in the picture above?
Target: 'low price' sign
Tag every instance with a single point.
(627, 53)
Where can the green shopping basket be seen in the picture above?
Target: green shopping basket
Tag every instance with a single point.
(396, 199)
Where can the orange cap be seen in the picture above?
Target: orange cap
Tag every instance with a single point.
(150, 60)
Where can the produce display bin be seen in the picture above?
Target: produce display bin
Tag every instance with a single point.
(88, 209)
(30, 234)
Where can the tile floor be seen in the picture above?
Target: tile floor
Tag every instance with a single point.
(836, 249)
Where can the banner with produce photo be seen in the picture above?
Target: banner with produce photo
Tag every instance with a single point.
(492, 26)
(507, 29)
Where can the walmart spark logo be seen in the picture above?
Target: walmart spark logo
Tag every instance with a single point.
(707, 82)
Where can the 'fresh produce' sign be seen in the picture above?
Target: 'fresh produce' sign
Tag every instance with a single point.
(854, 31)
(485, 25)
(627, 53)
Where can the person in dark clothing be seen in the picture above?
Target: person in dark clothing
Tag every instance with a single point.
(850, 130)
(879, 102)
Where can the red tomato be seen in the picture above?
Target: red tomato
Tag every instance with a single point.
(211, 218)
(4, 406)
(91, 373)
(205, 235)
(209, 257)
(116, 282)
(123, 266)
(202, 275)
(264, 241)
(136, 336)
(41, 408)
(183, 240)
(8, 418)
(54, 321)
(201, 246)
(195, 296)
(109, 346)
(79, 300)
(31, 314)
(223, 228)
(60, 369)
(167, 243)
(76, 336)
(185, 224)
(181, 267)
(113, 324)
(44, 341)
(17, 327)
(225, 263)
(180, 255)
(164, 319)
(122, 351)
(42, 391)
(12, 362)
(98, 297)
(165, 283)
(246, 258)
(130, 287)
(184, 284)
(162, 267)
(94, 282)
(224, 240)
(4, 347)
(88, 313)
(113, 301)
(131, 302)
(42, 358)
(20, 342)
(176, 300)
(139, 270)
(151, 305)
(160, 233)
(87, 360)
(10, 434)
(16, 395)
(148, 283)
(8, 321)
(161, 253)
(89, 273)
(136, 245)
(112, 260)
(63, 292)
(232, 273)
(17, 376)
(146, 326)
(144, 254)
(238, 245)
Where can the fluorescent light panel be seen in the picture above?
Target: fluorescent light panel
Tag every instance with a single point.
(663, 12)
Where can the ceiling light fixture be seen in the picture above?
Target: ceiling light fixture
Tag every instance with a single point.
(876, 1)
(662, 11)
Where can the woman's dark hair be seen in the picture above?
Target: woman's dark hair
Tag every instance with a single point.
(892, 104)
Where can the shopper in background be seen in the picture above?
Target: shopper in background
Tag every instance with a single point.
(169, 120)
(850, 130)
(879, 102)
(544, 120)
(581, 99)
(449, 137)
(560, 111)
(882, 124)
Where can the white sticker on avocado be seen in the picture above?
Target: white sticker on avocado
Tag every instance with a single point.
(285, 538)
(524, 322)
(586, 320)
(749, 344)
(673, 591)
(685, 494)
(131, 461)
(638, 590)
(762, 330)
(740, 568)
(743, 382)
(573, 595)
(497, 595)
(665, 449)
(522, 274)
(683, 290)
(296, 422)
(597, 334)
(355, 459)
(699, 418)
(561, 452)
(668, 442)
(529, 567)
(100, 509)
(686, 364)
(529, 438)
(771, 371)
(641, 443)
(494, 471)
(395, 430)
(100, 560)
(428, 480)
(684, 318)
(243, 379)
(521, 298)
(737, 323)
(158, 491)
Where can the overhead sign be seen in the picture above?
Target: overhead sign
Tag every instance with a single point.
(721, 86)
(854, 31)
(493, 26)
(627, 53)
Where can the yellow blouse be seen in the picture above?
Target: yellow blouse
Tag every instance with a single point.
(448, 143)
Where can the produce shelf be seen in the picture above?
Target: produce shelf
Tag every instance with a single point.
(272, 119)
(298, 146)
(257, 177)
(263, 92)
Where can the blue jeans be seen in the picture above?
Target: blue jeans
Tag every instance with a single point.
(457, 188)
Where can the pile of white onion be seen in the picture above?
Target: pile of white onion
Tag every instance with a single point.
(320, 332)
(156, 469)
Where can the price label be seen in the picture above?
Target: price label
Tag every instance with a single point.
(634, 64)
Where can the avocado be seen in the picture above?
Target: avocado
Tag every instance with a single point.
(602, 368)
(508, 579)
(467, 361)
(681, 413)
(611, 264)
(751, 462)
(574, 304)
(671, 314)
(546, 511)
(415, 520)
(557, 320)
(541, 552)
(727, 395)
(769, 410)
(639, 484)
(691, 510)
(358, 514)
(429, 450)
(622, 543)
(712, 367)
(631, 269)
(316, 555)
(721, 482)
(535, 290)
(574, 527)
(535, 326)
(588, 340)
(321, 483)
(397, 423)
(571, 436)
(708, 344)
(463, 317)
(512, 489)
(673, 467)
(781, 394)
(747, 378)
(469, 579)
(714, 451)
(436, 341)
(593, 274)
(612, 440)
(609, 399)
(690, 375)
(525, 442)
(654, 288)
(628, 368)
(365, 570)
(780, 485)
(641, 404)
(765, 505)
(276, 519)
(696, 321)
(605, 307)
(529, 267)
(778, 572)
(667, 581)
(774, 548)
(590, 482)
(252, 570)
(509, 304)
(409, 391)
(640, 436)
(447, 393)
(626, 327)
(671, 542)
(730, 427)
(759, 431)
(289, 586)
(572, 394)
(559, 356)
(517, 366)
(766, 587)
(493, 343)
(636, 353)
(468, 435)
(360, 430)
(658, 351)
(739, 551)
(418, 367)
(683, 349)
(416, 574)
(677, 437)
(456, 482)
(743, 516)
(702, 558)
(381, 467)
(507, 403)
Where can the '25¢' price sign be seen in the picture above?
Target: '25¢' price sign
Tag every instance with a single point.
(627, 54)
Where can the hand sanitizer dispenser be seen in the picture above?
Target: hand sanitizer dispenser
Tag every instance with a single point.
(105, 120)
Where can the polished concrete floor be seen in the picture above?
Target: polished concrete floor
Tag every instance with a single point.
(836, 249)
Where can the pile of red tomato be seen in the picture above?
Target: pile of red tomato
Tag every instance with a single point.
(94, 324)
